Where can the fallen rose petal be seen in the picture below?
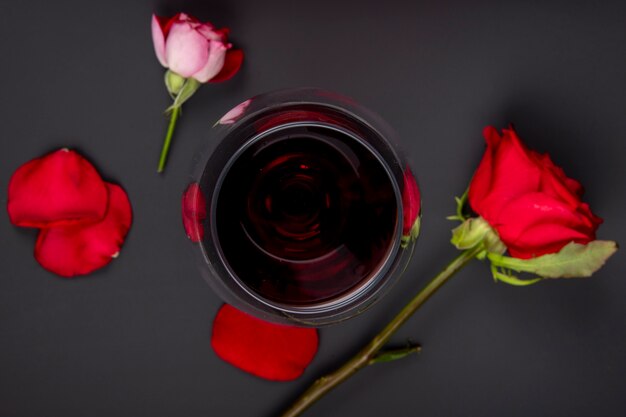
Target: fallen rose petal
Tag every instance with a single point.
(271, 351)
(194, 212)
(80, 249)
(61, 188)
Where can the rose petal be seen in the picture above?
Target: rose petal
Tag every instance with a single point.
(411, 201)
(186, 50)
(267, 350)
(60, 188)
(235, 113)
(232, 64)
(194, 212)
(535, 224)
(556, 183)
(208, 31)
(167, 24)
(534, 241)
(78, 250)
(215, 63)
(513, 173)
(158, 40)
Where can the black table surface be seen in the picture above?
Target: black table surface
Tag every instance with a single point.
(133, 339)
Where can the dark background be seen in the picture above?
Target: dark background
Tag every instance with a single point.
(133, 339)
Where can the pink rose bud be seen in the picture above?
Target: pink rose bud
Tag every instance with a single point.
(194, 49)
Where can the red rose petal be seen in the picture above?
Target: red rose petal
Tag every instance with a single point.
(411, 201)
(232, 64)
(80, 249)
(513, 173)
(61, 188)
(267, 350)
(535, 224)
(194, 212)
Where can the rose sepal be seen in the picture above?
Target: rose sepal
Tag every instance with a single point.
(574, 260)
(174, 83)
(476, 231)
(460, 207)
(413, 234)
(184, 93)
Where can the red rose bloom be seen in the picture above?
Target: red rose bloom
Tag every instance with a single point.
(527, 199)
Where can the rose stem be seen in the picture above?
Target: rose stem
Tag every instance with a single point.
(168, 138)
(359, 361)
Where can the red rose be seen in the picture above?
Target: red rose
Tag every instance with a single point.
(527, 199)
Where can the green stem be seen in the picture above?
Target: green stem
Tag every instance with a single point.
(359, 361)
(168, 138)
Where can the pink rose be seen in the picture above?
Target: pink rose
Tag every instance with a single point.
(193, 49)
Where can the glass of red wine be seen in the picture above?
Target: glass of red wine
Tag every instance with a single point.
(303, 191)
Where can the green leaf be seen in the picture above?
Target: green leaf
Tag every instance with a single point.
(573, 261)
(189, 88)
(394, 354)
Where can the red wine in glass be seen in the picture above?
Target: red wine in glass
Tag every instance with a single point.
(303, 190)
(305, 214)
